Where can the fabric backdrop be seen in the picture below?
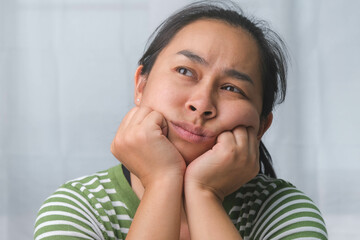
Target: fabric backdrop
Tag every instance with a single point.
(66, 81)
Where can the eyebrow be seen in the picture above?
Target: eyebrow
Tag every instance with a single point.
(193, 57)
(229, 72)
(239, 75)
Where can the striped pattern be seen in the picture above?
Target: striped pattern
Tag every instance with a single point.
(103, 205)
(268, 208)
(89, 207)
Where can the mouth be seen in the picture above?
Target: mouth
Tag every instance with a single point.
(191, 133)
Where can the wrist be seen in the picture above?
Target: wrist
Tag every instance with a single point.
(206, 215)
(163, 181)
(194, 190)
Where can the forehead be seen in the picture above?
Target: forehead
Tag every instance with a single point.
(216, 40)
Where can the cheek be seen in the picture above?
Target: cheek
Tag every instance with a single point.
(163, 98)
(245, 115)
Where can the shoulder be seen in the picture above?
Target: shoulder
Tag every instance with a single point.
(93, 206)
(274, 208)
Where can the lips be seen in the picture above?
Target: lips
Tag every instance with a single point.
(191, 133)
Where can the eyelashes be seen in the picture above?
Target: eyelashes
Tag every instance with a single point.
(231, 89)
(234, 89)
(184, 71)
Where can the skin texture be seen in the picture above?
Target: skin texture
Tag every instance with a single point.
(196, 121)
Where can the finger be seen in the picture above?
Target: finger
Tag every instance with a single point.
(253, 141)
(241, 136)
(253, 145)
(227, 138)
(127, 119)
(164, 127)
(130, 115)
(156, 121)
(140, 115)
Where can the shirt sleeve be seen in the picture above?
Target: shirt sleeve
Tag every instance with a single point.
(68, 214)
(89, 207)
(287, 213)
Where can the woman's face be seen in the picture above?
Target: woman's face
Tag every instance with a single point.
(206, 81)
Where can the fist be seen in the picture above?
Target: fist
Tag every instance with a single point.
(142, 146)
(232, 162)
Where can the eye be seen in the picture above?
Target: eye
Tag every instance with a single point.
(184, 71)
(233, 89)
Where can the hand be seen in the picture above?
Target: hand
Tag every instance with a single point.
(232, 162)
(142, 146)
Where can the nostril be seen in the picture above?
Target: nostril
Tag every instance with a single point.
(207, 113)
(192, 108)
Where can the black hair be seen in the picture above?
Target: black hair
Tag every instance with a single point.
(273, 54)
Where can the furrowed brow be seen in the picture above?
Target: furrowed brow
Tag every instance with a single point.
(239, 75)
(229, 72)
(193, 57)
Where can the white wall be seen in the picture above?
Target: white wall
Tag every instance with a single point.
(66, 81)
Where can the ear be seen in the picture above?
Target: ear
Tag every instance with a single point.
(140, 82)
(265, 123)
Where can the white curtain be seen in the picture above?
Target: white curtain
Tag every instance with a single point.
(66, 81)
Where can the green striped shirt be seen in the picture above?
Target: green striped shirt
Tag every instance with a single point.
(102, 206)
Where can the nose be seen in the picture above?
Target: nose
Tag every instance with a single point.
(202, 103)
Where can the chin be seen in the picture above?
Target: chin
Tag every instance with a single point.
(191, 151)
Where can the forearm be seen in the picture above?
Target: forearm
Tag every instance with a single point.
(158, 215)
(206, 216)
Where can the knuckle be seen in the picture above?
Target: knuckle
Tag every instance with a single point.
(146, 109)
(155, 113)
(227, 134)
(229, 152)
(240, 131)
(141, 136)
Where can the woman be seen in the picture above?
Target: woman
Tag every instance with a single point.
(204, 93)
